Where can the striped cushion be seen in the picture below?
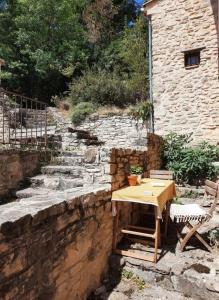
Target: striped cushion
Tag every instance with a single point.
(188, 212)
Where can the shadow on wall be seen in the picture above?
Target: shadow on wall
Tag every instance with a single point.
(215, 8)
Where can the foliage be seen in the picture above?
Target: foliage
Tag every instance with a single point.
(98, 16)
(128, 275)
(214, 237)
(134, 54)
(100, 89)
(191, 194)
(136, 170)
(141, 111)
(81, 111)
(48, 44)
(40, 39)
(119, 74)
(189, 164)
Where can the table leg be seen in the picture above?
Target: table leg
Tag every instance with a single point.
(167, 213)
(115, 227)
(157, 236)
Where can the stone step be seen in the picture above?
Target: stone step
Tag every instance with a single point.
(55, 183)
(69, 160)
(37, 180)
(30, 192)
(72, 171)
(78, 153)
(83, 134)
(73, 130)
(92, 142)
(92, 168)
(86, 136)
(67, 183)
(60, 183)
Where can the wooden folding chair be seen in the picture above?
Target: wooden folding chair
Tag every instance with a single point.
(161, 174)
(185, 214)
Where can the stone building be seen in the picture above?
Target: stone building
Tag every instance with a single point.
(185, 67)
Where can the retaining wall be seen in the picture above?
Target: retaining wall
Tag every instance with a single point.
(59, 248)
(116, 131)
(15, 167)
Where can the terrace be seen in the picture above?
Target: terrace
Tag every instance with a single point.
(56, 229)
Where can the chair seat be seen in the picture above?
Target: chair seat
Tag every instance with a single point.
(188, 212)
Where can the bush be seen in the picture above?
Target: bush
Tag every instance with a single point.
(141, 111)
(190, 164)
(81, 111)
(100, 89)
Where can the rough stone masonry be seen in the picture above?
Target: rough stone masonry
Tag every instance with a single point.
(186, 100)
(57, 245)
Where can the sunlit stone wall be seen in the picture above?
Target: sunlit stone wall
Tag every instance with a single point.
(185, 100)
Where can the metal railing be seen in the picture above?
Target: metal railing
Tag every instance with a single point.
(23, 121)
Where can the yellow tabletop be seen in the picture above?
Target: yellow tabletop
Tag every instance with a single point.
(151, 191)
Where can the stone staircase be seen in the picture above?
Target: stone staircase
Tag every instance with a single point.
(76, 169)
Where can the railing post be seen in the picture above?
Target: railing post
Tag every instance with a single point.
(46, 141)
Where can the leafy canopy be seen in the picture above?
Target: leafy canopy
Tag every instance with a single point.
(45, 37)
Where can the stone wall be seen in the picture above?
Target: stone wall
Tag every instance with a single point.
(116, 131)
(16, 166)
(117, 162)
(58, 248)
(54, 249)
(186, 100)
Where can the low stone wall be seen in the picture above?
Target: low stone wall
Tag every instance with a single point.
(116, 131)
(54, 249)
(117, 162)
(59, 248)
(16, 166)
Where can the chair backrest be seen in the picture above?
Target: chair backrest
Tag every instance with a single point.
(212, 189)
(161, 174)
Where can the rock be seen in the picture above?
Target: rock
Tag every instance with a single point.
(51, 183)
(101, 290)
(216, 286)
(116, 296)
(116, 261)
(178, 269)
(212, 284)
(90, 155)
(147, 276)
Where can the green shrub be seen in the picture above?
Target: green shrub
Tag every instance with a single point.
(136, 170)
(190, 164)
(100, 89)
(213, 236)
(81, 111)
(141, 111)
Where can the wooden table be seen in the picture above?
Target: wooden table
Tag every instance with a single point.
(151, 192)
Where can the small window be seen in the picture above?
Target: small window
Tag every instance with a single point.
(192, 58)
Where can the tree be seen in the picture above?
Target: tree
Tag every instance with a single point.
(134, 54)
(47, 37)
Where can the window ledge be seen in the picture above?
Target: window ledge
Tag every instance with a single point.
(192, 67)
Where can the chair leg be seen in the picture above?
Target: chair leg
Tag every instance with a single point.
(189, 235)
(200, 238)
